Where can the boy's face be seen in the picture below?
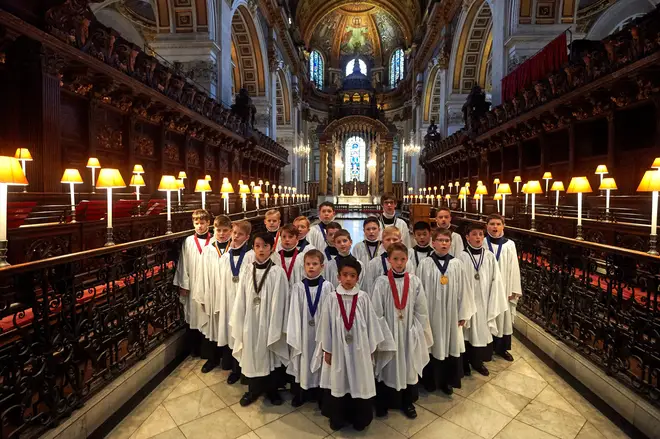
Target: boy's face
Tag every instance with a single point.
(423, 237)
(398, 260)
(302, 227)
(348, 277)
(222, 234)
(495, 228)
(390, 239)
(330, 236)
(261, 250)
(442, 244)
(289, 240)
(201, 226)
(371, 231)
(389, 207)
(238, 237)
(475, 238)
(443, 219)
(313, 267)
(343, 244)
(326, 214)
(272, 223)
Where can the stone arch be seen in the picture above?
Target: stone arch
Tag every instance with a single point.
(615, 14)
(432, 95)
(248, 51)
(111, 18)
(282, 99)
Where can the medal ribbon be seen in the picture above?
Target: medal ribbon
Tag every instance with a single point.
(348, 321)
(302, 244)
(220, 253)
(474, 260)
(499, 247)
(327, 254)
(323, 232)
(313, 306)
(236, 268)
(371, 256)
(199, 247)
(442, 268)
(257, 289)
(399, 304)
(289, 270)
(417, 255)
(383, 257)
(277, 238)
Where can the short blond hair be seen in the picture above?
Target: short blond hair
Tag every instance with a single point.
(201, 215)
(221, 221)
(274, 212)
(391, 230)
(303, 219)
(243, 226)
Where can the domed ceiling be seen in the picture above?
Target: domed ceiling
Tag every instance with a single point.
(138, 10)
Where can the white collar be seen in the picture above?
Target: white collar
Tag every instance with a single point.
(236, 248)
(345, 292)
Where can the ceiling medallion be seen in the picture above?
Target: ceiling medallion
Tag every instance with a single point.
(357, 6)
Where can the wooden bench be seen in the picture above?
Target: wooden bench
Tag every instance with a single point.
(17, 213)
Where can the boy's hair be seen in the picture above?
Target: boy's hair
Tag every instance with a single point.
(371, 219)
(440, 232)
(421, 225)
(221, 221)
(201, 215)
(397, 247)
(474, 226)
(495, 216)
(440, 209)
(327, 204)
(303, 219)
(243, 226)
(314, 253)
(273, 212)
(333, 225)
(290, 229)
(391, 230)
(351, 262)
(343, 232)
(387, 197)
(267, 238)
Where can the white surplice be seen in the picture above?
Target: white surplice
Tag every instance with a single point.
(510, 270)
(448, 304)
(301, 336)
(185, 277)
(399, 224)
(258, 330)
(363, 252)
(298, 269)
(317, 238)
(457, 245)
(378, 267)
(417, 256)
(331, 274)
(489, 297)
(352, 369)
(410, 336)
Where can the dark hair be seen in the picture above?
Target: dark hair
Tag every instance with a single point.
(333, 225)
(314, 253)
(371, 219)
(290, 229)
(221, 221)
(351, 262)
(495, 216)
(440, 232)
(267, 238)
(421, 225)
(440, 209)
(387, 197)
(327, 204)
(343, 232)
(474, 226)
(397, 247)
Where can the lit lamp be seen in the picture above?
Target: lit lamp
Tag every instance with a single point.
(462, 198)
(435, 190)
(244, 190)
(517, 180)
(481, 190)
(607, 184)
(557, 186)
(601, 170)
(225, 190)
(451, 185)
(496, 182)
(524, 191)
(656, 163)
(11, 174)
(181, 185)
(169, 184)
(650, 183)
(72, 177)
(439, 199)
(267, 184)
(110, 178)
(182, 176)
(498, 198)
(203, 186)
(505, 190)
(456, 185)
(533, 188)
(547, 176)
(137, 181)
(276, 198)
(207, 177)
(256, 191)
(93, 164)
(579, 186)
(137, 169)
(442, 190)
(23, 155)
(448, 198)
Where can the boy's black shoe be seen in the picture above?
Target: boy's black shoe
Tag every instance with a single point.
(483, 370)
(336, 425)
(297, 401)
(248, 398)
(447, 389)
(275, 398)
(381, 412)
(506, 355)
(410, 412)
(233, 377)
(466, 371)
(209, 366)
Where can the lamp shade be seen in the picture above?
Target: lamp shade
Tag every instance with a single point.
(463, 191)
(557, 186)
(252, 184)
(23, 154)
(138, 169)
(601, 169)
(168, 183)
(461, 196)
(448, 197)
(517, 179)
(257, 190)
(442, 188)
(240, 183)
(656, 163)
(579, 185)
(180, 184)
(226, 188)
(11, 172)
(137, 180)
(93, 162)
(547, 176)
(504, 189)
(182, 175)
(534, 187)
(71, 176)
(207, 177)
(477, 196)
(608, 183)
(435, 188)
(244, 189)
(267, 183)
(482, 190)
(456, 183)
(496, 181)
(261, 182)
(523, 189)
(650, 182)
(202, 186)
(109, 178)
(497, 197)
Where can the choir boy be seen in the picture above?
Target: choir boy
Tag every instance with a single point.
(443, 221)
(379, 266)
(306, 301)
(371, 246)
(422, 234)
(348, 337)
(258, 324)
(450, 304)
(343, 243)
(302, 224)
(329, 250)
(273, 221)
(489, 298)
(318, 234)
(505, 252)
(222, 230)
(399, 299)
(389, 218)
(289, 258)
(184, 278)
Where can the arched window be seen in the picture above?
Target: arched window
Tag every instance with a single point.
(626, 22)
(316, 69)
(351, 65)
(397, 64)
(354, 158)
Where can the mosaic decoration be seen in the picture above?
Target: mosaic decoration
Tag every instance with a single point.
(316, 69)
(354, 159)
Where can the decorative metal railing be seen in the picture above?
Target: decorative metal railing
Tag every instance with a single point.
(71, 324)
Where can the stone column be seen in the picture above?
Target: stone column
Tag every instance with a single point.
(330, 179)
(498, 62)
(388, 166)
(323, 168)
(380, 160)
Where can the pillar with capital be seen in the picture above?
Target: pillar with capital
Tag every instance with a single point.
(331, 150)
(323, 167)
(388, 146)
(380, 169)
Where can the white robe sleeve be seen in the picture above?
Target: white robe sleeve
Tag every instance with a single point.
(497, 300)
(278, 319)
(323, 333)
(181, 277)
(420, 332)
(237, 319)
(466, 306)
(294, 330)
(387, 347)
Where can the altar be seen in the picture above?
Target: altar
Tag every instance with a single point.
(354, 200)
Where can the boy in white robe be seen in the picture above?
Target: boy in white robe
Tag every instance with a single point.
(443, 221)
(273, 221)
(507, 258)
(451, 305)
(317, 234)
(343, 243)
(400, 301)
(371, 246)
(329, 250)
(423, 248)
(380, 265)
(389, 218)
(258, 324)
(348, 337)
(489, 298)
(306, 301)
(184, 278)
(302, 224)
(289, 258)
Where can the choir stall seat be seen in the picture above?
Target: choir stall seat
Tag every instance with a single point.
(156, 206)
(17, 213)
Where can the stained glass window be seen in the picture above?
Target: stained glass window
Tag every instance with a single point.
(396, 67)
(354, 167)
(316, 69)
(351, 65)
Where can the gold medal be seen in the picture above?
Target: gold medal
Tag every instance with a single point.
(349, 338)
(234, 279)
(476, 276)
(444, 280)
(401, 316)
(256, 300)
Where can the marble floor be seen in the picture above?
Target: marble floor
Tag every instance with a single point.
(520, 400)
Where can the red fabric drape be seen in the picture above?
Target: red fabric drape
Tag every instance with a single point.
(547, 60)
